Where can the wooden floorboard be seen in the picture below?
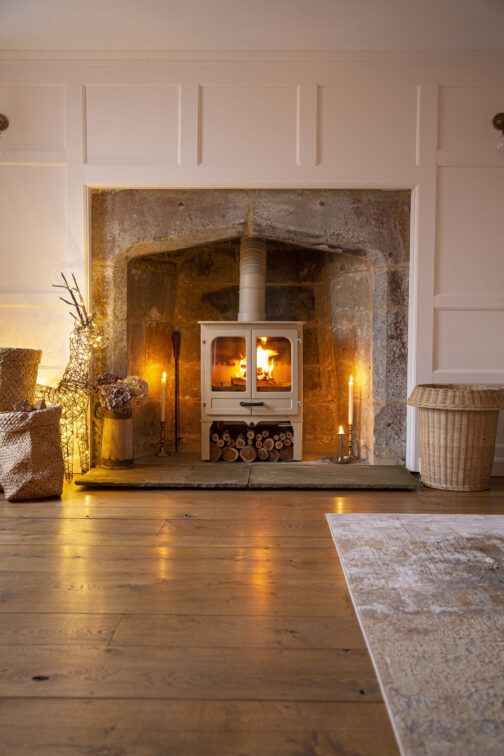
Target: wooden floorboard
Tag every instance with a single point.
(180, 630)
(63, 727)
(190, 623)
(177, 560)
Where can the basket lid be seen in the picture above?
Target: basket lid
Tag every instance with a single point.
(458, 396)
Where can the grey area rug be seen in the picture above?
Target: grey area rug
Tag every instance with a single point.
(429, 594)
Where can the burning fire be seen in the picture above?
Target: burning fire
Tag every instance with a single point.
(265, 361)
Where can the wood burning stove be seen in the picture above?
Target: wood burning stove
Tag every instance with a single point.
(252, 369)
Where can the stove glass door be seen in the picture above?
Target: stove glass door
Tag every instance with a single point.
(273, 364)
(228, 364)
(274, 371)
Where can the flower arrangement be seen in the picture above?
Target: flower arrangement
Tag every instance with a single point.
(116, 394)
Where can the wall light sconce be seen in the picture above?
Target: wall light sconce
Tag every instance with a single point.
(4, 125)
(498, 123)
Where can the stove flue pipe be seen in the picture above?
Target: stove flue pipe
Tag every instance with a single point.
(252, 280)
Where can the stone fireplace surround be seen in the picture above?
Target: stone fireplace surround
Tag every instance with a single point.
(162, 259)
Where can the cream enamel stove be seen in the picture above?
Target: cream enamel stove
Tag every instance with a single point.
(252, 369)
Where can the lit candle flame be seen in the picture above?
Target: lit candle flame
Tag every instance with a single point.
(340, 430)
(163, 377)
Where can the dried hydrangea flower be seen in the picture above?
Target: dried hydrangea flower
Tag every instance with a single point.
(118, 398)
(104, 379)
(115, 393)
(137, 386)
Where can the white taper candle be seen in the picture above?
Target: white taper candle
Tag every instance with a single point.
(350, 401)
(341, 433)
(163, 397)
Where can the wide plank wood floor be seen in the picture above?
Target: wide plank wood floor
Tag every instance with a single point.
(175, 623)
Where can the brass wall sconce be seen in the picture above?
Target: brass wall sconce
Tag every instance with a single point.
(498, 123)
(4, 125)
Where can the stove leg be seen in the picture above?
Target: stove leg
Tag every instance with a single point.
(298, 441)
(205, 440)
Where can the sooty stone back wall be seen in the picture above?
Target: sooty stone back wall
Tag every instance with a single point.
(174, 291)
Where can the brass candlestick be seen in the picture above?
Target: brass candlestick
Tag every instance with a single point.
(162, 440)
(342, 459)
(350, 442)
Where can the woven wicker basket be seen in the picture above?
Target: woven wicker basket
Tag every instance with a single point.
(31, 460)
(18, 376)
(458, 426)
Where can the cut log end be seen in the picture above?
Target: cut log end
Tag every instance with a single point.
(248, 453)
(215, 452)
(230, 454)
(286, 454)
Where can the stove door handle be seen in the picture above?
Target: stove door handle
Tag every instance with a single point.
(251, 404)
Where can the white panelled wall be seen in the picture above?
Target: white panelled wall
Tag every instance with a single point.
(264, 121)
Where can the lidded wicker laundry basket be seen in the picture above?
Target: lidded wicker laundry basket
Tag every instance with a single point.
(458, 427)
(18, 376)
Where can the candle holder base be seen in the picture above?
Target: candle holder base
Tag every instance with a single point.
(342, 460)
(162, 441)
(351, 457)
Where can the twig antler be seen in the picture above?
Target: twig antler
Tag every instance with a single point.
(77, 301)
(89, 318)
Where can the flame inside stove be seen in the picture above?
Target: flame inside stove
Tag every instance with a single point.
(265, 360)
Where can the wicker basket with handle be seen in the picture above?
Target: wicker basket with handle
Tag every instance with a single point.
(18, 375)
(458, 427)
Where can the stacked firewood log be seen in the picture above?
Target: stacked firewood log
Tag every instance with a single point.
(252, 445)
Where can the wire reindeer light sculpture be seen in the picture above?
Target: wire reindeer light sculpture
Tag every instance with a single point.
(73, 390)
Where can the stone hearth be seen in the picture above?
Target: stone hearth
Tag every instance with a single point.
(339, 260)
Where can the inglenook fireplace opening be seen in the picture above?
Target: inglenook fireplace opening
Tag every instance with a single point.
(335, 305)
